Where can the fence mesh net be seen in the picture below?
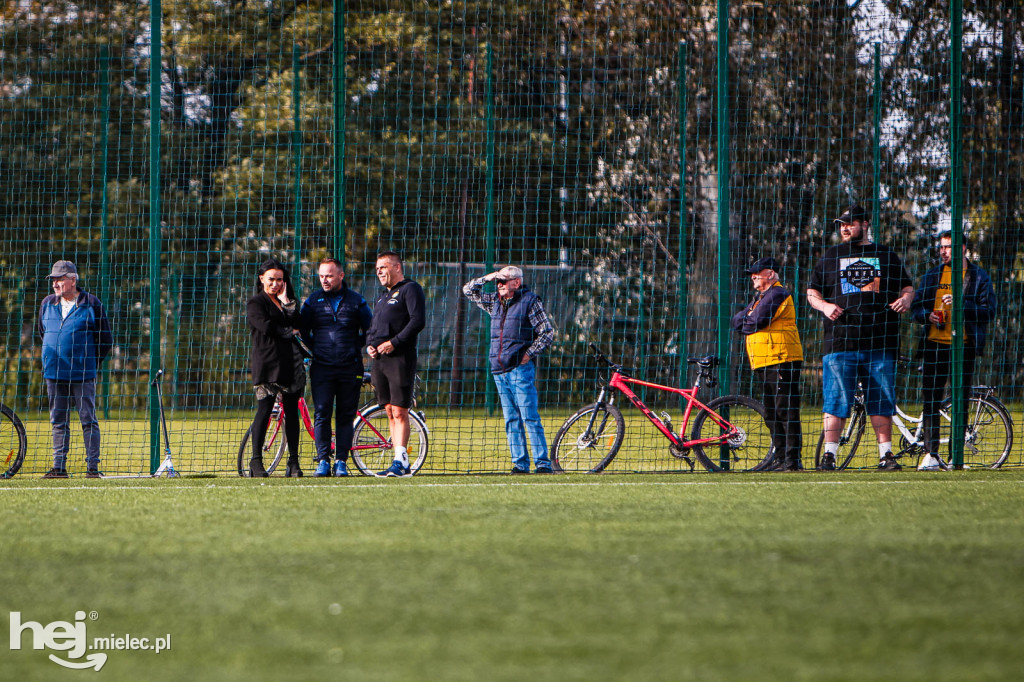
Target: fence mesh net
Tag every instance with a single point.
(579, 141)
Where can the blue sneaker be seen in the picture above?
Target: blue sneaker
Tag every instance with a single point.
(396, 470)
(323, 469)
(340, 468)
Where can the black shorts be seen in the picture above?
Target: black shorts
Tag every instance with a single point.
(392, 377)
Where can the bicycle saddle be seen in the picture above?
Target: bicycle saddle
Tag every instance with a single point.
(704, 361)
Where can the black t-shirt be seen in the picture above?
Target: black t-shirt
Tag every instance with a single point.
(398, 316)
(863, 280)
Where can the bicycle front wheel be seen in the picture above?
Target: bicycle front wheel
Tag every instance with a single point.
(372, 450)
(589, 440)
(749, 448)
(849, 440)
(989, 434)
(273, 450)
(13, 443)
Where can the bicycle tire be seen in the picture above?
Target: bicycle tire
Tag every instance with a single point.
(750, 450)
(276, 443)
(588, 451)
(988, 423)
(849, 441)
(13, 442)
(374, 454)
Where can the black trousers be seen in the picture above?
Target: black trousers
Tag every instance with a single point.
(781, 389)
(261, 421)
(938, 371)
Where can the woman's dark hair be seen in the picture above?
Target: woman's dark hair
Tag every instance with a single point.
(274, 264)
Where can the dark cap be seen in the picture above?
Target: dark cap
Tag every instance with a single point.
(62, 268)
(767, 263)
(852, 214)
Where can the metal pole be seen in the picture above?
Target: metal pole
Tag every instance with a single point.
(956, 438)
(489, 391)
(339, 130)
(724, 254)
(876, 210)
(682, 283)
(297, 164)
(155, 72)
(104, 213)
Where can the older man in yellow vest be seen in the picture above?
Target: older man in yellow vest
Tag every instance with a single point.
(773, 346)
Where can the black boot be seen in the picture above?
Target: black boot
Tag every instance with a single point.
(256, 469)
(293, 470)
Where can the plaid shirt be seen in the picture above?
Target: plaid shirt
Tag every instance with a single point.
(542, 327)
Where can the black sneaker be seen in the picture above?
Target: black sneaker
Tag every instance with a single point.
(517, 470)
(827, 463)
(543, 470)
(56, 473)
(888, 463)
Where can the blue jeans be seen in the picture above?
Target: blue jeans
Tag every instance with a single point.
(519, 405)
(63, 395)
(335, 392)
(876, 369)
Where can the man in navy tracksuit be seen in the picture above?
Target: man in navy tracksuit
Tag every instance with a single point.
(520, 331)
(76, 339)
(334, 324)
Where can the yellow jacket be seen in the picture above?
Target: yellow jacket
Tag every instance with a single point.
(769, 323)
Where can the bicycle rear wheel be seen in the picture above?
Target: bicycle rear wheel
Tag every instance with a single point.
(588, 440)
(13, 443)
(372, 450)
(989, 435)
(849, 440)
(749, 449)
(273, 450)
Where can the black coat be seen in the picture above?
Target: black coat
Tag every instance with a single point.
(272, 359)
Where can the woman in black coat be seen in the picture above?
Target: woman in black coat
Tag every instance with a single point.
(276, 362)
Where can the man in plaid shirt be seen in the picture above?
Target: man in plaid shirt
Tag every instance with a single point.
(520, 331)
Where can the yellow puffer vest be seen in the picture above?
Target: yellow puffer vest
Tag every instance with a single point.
(779, 341)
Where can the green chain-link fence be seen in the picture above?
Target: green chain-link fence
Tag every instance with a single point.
(581, 141)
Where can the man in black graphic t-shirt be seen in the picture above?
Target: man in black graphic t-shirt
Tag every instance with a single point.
(862, 289)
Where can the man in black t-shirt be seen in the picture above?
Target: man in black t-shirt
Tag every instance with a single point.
(862, 289)
(398, 317)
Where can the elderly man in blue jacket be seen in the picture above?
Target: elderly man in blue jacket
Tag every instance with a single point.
(76, 339)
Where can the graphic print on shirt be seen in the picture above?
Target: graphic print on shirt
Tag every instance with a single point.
(860, 274)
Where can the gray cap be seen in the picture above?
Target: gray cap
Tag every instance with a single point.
(62, 268)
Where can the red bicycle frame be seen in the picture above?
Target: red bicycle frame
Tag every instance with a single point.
(277, 418)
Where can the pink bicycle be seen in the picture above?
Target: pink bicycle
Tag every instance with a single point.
(371, 449)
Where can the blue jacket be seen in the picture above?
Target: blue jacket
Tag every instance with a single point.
(336, 338)
(73, 347)
(979, 303)
(511, 331)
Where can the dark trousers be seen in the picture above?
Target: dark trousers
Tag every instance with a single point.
(938, 371)
(264, 408)
(335, 391)
(781, 389)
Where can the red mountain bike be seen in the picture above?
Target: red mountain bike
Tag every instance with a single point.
(371, 448)
(729, 433)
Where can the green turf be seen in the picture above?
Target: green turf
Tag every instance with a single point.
(786, 576)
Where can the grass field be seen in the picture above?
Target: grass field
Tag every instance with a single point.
(756, 576)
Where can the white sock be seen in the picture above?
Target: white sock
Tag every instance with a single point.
(884, 449)
(832, 448)
(401, 455)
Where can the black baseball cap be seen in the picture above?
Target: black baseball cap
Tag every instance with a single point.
(767, 263)
(853, 213)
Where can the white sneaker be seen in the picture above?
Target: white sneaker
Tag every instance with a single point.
(931, 463)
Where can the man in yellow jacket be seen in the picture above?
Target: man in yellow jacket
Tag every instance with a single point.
(773, 346)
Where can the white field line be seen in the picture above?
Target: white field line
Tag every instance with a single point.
(100, 487)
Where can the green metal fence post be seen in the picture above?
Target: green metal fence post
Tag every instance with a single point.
(104, 290)
(681, 278)
(339, 130)
(155, 246)
(489, 391)
(297, 163)
(876, 210)
(956, 438)
(724, 254)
